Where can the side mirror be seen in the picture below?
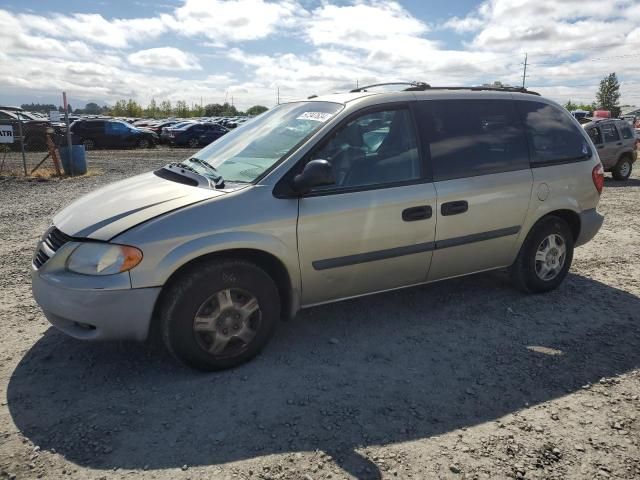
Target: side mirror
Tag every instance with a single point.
(316, 173)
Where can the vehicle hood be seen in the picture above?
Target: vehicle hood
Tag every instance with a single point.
(107, 212)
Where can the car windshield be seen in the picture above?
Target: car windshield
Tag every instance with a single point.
(248, 151)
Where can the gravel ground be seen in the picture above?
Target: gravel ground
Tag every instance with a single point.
(462, 379)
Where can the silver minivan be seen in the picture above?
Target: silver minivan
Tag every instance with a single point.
(321, 200)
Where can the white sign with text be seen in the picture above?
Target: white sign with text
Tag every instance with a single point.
(6, 134)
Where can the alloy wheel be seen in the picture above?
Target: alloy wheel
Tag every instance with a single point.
(227, 322)
(550, 257)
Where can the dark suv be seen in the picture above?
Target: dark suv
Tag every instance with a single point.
(615, 140)
(104, 133)
(196, 135)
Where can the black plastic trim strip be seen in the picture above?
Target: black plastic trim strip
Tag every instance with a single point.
(412, 249)
(372, 256)
(477, 237)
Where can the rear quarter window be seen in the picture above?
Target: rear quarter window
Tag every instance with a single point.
(467, 138)
(552, 134)
(626, 133)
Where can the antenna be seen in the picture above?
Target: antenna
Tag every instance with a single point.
(524, 75)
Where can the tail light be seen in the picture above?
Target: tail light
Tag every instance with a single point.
(597, 174)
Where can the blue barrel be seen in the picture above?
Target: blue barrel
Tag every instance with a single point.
(77, 157)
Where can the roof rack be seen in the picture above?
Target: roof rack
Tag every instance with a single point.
(413, 86)
(490, 89)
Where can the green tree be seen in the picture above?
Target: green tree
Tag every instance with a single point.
(256, 110)
(152, 109)
(608, 94)
(229, 110)
(213, 110)
(119, 109)
(134, 109)
(165, 108)
(181, 109)
(69, 108)
(197, 111)
(38, 107)
(92, 108)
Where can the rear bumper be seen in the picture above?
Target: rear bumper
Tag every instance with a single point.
(96, 314)
(590, 223)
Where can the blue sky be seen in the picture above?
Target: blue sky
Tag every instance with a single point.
(246, 49)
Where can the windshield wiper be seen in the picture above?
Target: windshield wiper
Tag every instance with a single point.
(216, 177)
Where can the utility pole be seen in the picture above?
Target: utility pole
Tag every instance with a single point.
(278, 95)
(524, 75)
(357, 83)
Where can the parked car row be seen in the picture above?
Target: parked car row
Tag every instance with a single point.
(34, 128)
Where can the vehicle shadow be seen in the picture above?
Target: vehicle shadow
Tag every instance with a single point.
(379, 370)
(630, 182)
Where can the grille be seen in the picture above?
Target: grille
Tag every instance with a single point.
(50, 245)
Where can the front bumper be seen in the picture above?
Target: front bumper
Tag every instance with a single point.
(590, 223)
(92, 308)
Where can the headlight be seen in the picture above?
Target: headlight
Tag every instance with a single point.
(103, 259)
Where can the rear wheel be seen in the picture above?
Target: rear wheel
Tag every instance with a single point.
(545, 256)
(623, 169)
(143, 143)
(193, 143)
(220, 314)
(89, 144)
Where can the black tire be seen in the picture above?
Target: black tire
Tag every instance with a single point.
(193, 289)
(143, 143)
(524, 272)
(623, 168)
(193, 143)
(89, 144)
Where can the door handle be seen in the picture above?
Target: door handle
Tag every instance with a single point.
(600, 147)
(417, 213)
(454, 208)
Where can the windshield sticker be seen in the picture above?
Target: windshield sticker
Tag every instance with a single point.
(315, 116)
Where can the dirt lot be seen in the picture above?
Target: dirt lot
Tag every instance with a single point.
(463, 379)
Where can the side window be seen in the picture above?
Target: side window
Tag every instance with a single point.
(5, 116)
(373, 149)
(95, 127)
(466, 138)
(626, 133)
(553, 136)
(115, 128)
(610, 133)
(595, 134)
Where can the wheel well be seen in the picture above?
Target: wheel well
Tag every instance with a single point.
(572, 219)
(268, 262)
(628, 155)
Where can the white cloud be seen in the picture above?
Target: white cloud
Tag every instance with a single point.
(232, 20)
(330, 46)
(94, 28)
(164, 58)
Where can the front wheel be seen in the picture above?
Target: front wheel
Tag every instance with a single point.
(193, 143)
(143, 143)
(545, 256)
(622, 170)
(219, 314)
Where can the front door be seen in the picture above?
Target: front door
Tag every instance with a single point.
(373, 229)
(478, 152)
